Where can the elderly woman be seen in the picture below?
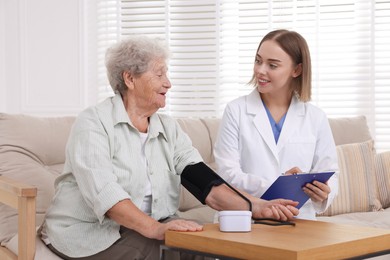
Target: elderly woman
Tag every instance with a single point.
(119, 190)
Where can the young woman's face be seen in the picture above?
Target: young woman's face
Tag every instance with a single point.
(273, 69)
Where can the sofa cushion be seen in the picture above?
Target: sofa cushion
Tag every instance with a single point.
(32, 150)
(42, 252)
(378, 219)
(212, 125)
(357, 183)
(201, 214)
(199, 135)
(202, 133)
(350, 130)
(382, 164)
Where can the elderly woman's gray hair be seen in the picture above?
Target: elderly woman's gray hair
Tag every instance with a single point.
(132, 54)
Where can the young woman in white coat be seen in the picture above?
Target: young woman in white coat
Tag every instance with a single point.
(274, 130)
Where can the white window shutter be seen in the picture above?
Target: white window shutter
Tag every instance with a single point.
(381, 74)
(193, 40)
(108, 33)
(213, 45)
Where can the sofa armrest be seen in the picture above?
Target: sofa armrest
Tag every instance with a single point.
(23, 198)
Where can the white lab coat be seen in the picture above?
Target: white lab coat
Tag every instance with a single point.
(248, 157)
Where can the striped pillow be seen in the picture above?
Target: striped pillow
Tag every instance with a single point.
(357, 183)
(382, 164)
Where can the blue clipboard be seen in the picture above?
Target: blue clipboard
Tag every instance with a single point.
(290, 186)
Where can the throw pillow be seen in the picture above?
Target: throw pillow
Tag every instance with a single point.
(348, 130)
(382, 164)
(357, 183)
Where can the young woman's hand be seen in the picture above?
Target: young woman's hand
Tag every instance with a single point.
(293, 171)
(317, 191)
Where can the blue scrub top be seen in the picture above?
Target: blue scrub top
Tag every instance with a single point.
(276, 127)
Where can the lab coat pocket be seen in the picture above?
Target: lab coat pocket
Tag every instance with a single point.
(300, 152)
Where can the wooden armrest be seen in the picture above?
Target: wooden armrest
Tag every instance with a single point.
(23, 198)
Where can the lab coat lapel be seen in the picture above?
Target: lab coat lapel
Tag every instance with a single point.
(295, 115)
(256, 107)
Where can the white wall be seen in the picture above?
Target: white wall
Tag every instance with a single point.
(2, 54)
(47, 50)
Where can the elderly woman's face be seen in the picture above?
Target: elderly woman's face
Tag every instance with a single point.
(153, 85)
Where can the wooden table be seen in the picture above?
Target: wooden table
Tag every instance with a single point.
(307, 240)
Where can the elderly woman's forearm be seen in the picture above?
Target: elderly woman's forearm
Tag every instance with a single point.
(126, 214)
(223, 198)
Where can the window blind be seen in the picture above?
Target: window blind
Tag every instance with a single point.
(381, 71)
(108, 31)
(213, 44)
(193, 40)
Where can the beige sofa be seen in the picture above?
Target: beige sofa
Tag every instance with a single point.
(32, 155)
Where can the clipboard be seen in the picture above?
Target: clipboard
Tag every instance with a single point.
(290, 186)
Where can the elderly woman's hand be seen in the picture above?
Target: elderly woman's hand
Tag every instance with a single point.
(280, 209)
(223, 198)
(176, 225)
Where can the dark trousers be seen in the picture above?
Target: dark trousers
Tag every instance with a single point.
(132, 246)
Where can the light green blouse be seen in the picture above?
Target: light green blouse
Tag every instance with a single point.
(103, 166)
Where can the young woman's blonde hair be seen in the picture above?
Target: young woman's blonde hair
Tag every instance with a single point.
(296, 47)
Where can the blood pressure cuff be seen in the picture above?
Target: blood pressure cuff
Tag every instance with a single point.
(199, 179)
